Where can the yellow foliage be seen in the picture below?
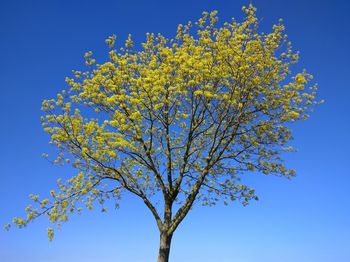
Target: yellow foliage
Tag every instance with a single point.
(181, 105)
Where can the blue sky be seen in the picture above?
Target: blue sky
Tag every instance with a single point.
(302, 220)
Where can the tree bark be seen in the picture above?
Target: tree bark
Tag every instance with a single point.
(164, 248)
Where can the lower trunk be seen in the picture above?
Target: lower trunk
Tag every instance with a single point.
(164, 249)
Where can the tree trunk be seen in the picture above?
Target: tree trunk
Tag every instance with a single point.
(164, 248)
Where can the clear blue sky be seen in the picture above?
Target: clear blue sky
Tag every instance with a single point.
(306, 219)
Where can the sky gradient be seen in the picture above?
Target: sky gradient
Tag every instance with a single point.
(306, 219)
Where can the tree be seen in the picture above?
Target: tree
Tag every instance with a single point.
(176, 121)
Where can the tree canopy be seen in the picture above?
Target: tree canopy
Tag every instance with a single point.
(176, 120)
